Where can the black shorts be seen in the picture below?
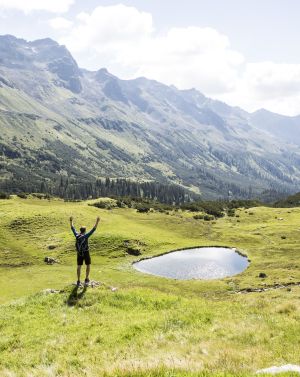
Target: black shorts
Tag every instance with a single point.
(85, 257)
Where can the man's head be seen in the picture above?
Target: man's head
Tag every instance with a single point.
(82, 229)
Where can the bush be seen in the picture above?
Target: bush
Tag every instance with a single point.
(22, 195)
(193, 207)
(103, 204)
(198, 217)
(143, 209)
(231, 212)
(137, 202)
(133, 251)
(208, 217)
(41, 196)
(214, 212)
(120, 204)
(100, 205)
(3, 195)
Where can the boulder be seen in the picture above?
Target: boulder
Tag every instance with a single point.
(262, 275)
(133, 251)
(50, 260)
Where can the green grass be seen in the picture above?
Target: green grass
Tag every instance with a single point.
(149, 326)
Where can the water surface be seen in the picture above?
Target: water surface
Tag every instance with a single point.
(198, 263)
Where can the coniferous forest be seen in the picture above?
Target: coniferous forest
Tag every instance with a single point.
(72, 189)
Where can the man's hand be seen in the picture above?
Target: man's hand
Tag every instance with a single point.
(97, 221)
(71, 219)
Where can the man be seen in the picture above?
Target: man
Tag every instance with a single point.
(82, 247)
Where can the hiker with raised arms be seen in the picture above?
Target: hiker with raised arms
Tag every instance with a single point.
(82, 247)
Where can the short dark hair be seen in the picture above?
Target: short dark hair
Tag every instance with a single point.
(83, 229)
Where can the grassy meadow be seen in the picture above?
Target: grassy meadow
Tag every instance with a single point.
(147, 326)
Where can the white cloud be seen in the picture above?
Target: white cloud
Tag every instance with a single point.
(187, 57)
(269, 85)
(123, 39)
(269, 79)
(26, 6)
(109, 28)
(60, 23)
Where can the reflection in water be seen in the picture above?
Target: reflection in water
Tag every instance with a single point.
(199, 263)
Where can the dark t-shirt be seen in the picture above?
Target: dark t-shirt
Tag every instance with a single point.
(82, 245)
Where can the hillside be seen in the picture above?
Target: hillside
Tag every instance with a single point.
(145, 326)
(58, 119)
(290, 201)
(283, 127)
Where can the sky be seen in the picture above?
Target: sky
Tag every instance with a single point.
(243, 52)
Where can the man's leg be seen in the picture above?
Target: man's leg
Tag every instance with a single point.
(78, 272)
(88, 269)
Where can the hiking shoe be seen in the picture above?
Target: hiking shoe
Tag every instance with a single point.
(86, 282)
(78, 283)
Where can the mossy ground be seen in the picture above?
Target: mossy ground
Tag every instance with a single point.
(149, 326)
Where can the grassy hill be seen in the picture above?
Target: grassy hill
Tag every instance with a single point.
(148, 326)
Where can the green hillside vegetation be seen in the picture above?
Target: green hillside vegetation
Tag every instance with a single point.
(136, 324)
(290, 201)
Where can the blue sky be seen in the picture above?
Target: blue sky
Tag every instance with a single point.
(243, 52)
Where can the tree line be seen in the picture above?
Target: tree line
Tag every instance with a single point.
(75, 189)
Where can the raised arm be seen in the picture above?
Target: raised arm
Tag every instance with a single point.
(97, 222)
(94, 228)
(72, 226)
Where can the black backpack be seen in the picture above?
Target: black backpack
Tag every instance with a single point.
(81, 244)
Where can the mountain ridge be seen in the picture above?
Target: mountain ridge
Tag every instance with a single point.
(59, 119)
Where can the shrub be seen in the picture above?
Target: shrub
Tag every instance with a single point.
(22, 195)
(103, 204)
(208, 217)
(41, 196)
(133, 251)
(120, 204)
(4, 195)
(193, 207)
(143, 209)
(231, 212)
(198, 217)
(100, 205)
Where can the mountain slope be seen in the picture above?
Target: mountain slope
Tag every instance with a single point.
(289, 202)
(56, 118)
(285, 128)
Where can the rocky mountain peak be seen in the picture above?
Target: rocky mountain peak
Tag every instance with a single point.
(135, 128)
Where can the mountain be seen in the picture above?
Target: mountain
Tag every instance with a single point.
(289, 202)
(283, 127)
(58, 119)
